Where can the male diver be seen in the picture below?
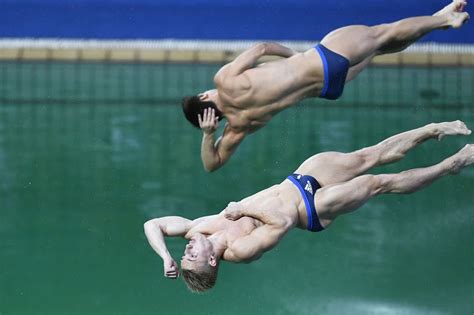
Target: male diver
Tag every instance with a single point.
(249, 95)
(324, 187)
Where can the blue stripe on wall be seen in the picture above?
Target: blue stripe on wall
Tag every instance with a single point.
(207, 19)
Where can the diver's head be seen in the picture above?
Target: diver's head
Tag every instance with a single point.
(195, 105)
(199, 265)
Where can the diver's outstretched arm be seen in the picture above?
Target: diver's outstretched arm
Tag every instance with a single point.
(156, 230)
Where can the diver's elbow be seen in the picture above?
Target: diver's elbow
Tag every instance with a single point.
(147, 226)
(264, 47)
(211, 167)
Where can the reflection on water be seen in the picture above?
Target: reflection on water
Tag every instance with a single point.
(379, 308)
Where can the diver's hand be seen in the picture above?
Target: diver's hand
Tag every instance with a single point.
(171, 269)
(233, 211)
(209, 122)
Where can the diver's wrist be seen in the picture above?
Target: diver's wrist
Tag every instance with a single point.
(208, 133)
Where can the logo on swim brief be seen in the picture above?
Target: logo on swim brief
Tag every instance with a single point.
(308, 187)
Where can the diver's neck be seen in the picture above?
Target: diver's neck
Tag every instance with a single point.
(219, 243)
(218, 101)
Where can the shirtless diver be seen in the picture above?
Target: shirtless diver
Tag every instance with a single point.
(324, 187)
(249, 95)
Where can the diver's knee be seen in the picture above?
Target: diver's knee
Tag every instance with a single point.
(375, 184)
(382, 183)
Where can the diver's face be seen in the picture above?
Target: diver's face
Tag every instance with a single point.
(197, 251)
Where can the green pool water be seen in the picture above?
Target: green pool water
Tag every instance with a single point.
(78, 180)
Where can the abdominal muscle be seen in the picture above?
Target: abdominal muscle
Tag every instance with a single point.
(279, 199)
(283, 199)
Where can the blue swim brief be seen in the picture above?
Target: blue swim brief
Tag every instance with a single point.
(307, 185)
(335, 72)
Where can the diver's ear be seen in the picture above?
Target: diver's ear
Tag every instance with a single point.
(212, 261)
(203, 96)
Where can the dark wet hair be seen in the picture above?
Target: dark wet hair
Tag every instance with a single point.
(193, 106)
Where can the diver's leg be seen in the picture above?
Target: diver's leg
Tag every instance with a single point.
(334, 200)
(359, 42)
(335, 167)
(356, 69)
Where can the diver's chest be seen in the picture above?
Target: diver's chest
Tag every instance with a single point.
(242, 227)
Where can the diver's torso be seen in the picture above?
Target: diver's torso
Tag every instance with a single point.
(258, 94)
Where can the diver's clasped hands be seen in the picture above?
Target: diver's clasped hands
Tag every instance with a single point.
(170, 268)
(233, 211)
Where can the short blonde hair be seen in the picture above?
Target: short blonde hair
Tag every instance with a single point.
(199, 281)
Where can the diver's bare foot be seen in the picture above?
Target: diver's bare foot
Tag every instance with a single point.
(451, 128)
(455, 6)
(463, 158)
(457, 19)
